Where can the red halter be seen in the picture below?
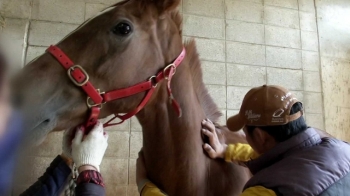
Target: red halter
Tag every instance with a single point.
(96, 99)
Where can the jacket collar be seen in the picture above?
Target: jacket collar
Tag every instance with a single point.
(306, 138)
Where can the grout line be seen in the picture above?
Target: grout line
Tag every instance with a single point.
(301, 45)
(320, 67)
(225, 48)
(263, 19)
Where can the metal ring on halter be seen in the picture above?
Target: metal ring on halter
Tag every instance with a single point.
(88, 101)
(153, 80)
(167, 67)
(69, 72)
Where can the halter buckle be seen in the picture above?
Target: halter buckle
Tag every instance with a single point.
(172, 65)
(69, 72)
(153, 80)
(90, 105)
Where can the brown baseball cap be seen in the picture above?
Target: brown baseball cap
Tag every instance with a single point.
(265, 106)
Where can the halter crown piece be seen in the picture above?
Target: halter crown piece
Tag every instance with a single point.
(96, 99)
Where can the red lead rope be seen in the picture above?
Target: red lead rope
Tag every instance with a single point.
(81, 79)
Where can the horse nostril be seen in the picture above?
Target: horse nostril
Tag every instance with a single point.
(46, 121)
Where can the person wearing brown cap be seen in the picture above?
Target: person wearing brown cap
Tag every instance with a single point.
(285, 156)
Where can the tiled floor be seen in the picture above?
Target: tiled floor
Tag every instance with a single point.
(242, 44)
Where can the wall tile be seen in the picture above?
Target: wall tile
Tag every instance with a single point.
(244, 11)
(213, 72)
(222, 119)
(206, 27)
(278, 36)
(232, 112)
(315, 120)
(218, 93)
(114, 171)
(116, 190)
(132, 172)
(311, 61)
(15, 8)
(51, 147)
(338, 122)
(18, 190)
(206, 47)
(281, 17)
(235, 96)
(293, 4)
(118, 144)
(312, 81)
(133, 191)
(335, 82)
(245, 32)
(12, 39)
(334, 35)
(38, 166)
(34, 52)
(52, 10)
(46, 33)
(135, 144)
(307, 21)
(106, 2)
(299, 95)
(309, 40)
(207, 8)
(242, 53)
(283, 57)
(290, 79)
(313, 102)
(306, 5)
(245, 75)
(92, 9)
(135, 125)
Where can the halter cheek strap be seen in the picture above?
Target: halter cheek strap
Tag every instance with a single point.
(96, 99)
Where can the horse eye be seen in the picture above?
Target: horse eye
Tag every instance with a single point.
(122, 29)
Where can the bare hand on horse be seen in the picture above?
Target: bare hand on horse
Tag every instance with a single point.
(215, 148)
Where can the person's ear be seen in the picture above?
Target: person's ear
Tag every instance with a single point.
(265, 140)
(259, 135)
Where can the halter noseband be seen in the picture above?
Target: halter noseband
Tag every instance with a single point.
(96, 99)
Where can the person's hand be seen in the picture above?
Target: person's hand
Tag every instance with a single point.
(67, 146)
(215, 149)
(141, 174)
(89, 151)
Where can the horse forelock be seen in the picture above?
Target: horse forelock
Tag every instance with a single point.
(210, 108)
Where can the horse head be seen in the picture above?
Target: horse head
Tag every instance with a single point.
(123, 45)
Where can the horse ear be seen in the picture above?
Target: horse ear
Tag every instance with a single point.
(166, 5)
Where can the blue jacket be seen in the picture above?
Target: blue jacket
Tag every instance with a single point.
(304, 165)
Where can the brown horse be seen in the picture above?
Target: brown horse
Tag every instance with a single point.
(125, 45)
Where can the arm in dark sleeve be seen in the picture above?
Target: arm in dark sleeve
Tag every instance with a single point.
(90, 183)
(53, 180)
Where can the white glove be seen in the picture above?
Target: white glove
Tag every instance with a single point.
(91, 149)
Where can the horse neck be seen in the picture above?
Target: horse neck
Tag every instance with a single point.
(171, 144)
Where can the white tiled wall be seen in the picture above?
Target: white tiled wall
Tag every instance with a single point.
(242, 44)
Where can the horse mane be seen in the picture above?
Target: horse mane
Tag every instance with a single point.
(210, 108)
